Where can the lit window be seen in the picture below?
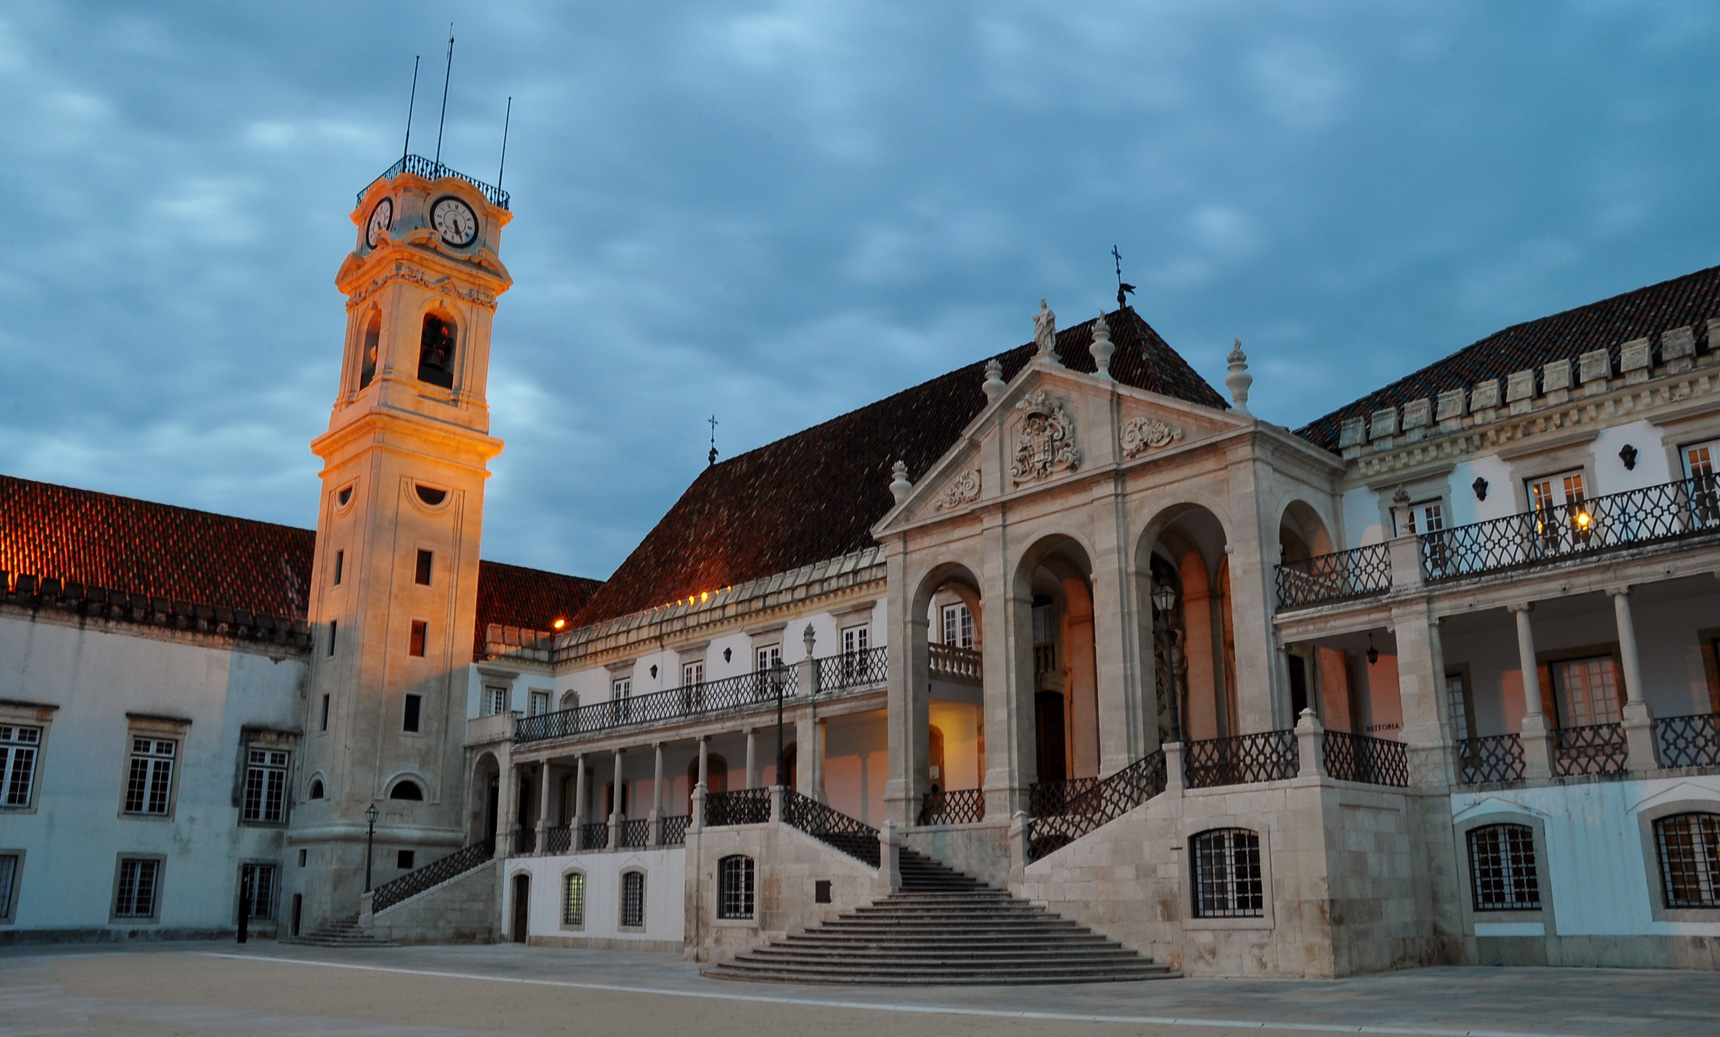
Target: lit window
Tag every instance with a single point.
(1502, 868)
(265, 785)
(735, 887)
(139, 883)
(573, 898)
(1704, 485)
(1227, 877)
(149, 782)
(436, 352)
(1562, 519)
(495, 700)
(420, 632)
(414, 707)
(18, 748)
(257, 883)
(1689, 846)
(633, 899)
(425, 560)
(958, 626)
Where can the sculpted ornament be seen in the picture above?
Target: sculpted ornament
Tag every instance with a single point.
(1143, 434)
(964, 489)
(1045, 440)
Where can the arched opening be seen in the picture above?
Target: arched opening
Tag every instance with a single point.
(483, 795)
(407, 790)
(316, 788)
(436, 351)
(522, 907)
(950, 739)
(1191, 633)
(372, 344)
(790, 768)
(1302, 535)
(1056, 579)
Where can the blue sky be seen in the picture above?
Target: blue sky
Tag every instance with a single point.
(777, 212)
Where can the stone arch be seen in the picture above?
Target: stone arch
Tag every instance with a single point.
(1302, 532)
(945, 689)
(1052, 607)
(438, 346)
(1190, 648)
(483, 797)
(370, 347)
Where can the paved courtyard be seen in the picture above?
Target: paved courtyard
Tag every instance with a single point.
(263, 988)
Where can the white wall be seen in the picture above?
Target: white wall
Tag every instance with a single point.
(665, 895)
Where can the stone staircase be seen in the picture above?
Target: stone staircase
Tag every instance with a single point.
(943, 928)
(340, 932)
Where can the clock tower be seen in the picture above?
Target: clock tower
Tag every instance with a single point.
(394, 585)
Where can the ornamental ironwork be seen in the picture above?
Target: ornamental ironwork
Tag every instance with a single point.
(433, 874)
(953, 807)
(705, 698)
(1373, 761)
(1340, 576)
(1692, 741)
(851, 671)
(1100, 803)
(594, 835)
(672, 830)
(1594, 749)
(1045, 439)
(525, 841)
(853, 837)
(418, 165)
(634, 834)
(1241, 759)
(557, 840)
(737, 807)
(1489, 759)
(1045, 798)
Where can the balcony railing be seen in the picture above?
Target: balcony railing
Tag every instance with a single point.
(1571, 532)
(1374, 761)
(1489, 759)
(852, 671)
(737, 807)
(853, 837)
(949, 663)
(418, 165)
(433, 874)
(635, 834)
(1323, 579)
(1692, 741)
(525, 841)
(1101, 802)
(672, 830)
(694, 700)
(1045, 798)
(557, 840)
(1595, 749)
(1241, 760)
(954, 807)
(594, 835)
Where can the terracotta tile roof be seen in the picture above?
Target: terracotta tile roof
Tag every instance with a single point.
(1645, 312)
(532, 599)
(816, 494)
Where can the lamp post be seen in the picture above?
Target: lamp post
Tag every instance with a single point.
(369, 843)
(779, 677)
(1164, 600)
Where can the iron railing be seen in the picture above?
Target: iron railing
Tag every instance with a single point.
(1102, 802)
(635, 833)
(525, 841)
(1488, 759)
(557, 840)
(949, 663)
(672, 830)
(851, 836)
(1045, 798)
(1340, 576)
(863, 669)
(594, 835)
(737, 807)
(433, 874)
(1594, 749)
(1692, 741)
(1374, 761)
(694, 700)
(1045, 659)
(1241, 759)
(418, 165)
(955, 807)
(1546, 536)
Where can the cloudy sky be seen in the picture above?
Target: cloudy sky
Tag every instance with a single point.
(779, 211)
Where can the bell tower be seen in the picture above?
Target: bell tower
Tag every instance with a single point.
(394, 584)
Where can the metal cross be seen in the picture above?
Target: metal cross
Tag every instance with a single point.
(1123, 290)
(712, 421)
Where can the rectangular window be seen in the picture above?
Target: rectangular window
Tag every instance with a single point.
(1689, 846)
(958, 626)
(620, 691)
(767, 657)
(856, 639)
(735, 887)
(1586, 691)
(265, 785)
(633, 899)
(1502, 868)
(414, 705)
(18, 748)
(405, 859)
(149, 782)
(425, 560)
(8, 878)
(495, 700)
(333, 632)
(339, 566)
(539, 703)
(139, 884)
(1227, 877)
(420, 631)
(573, 899)
(1458, 698)
(324, 726)
(257, 883)
(304, 857)
(1561, 520)
(1704, 486)
(692, 673)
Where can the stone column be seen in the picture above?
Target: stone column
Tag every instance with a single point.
(656, 797)
(507, 810)
(1638, 720)
(908, 698)
(615, 815)
(805, 750)
(1310, 746)
(752, 758)
(1122, 726)
(578, 821)
(1536, 734)
(543, 809)
(1421, 685)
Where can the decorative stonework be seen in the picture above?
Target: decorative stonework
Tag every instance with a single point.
(1143, 434)
(1044, 441)
(441, 285)
(964, 489)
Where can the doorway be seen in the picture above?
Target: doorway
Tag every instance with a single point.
(298, 911)
(522, 907)
(1051, 755)
(491, 805)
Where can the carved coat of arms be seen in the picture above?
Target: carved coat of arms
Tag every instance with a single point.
(1045, 439)
(1143, 434)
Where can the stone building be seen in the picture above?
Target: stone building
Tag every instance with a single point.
(1430, 679)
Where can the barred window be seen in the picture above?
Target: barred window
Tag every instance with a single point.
(257, 884)
(149, 784)
(1227, 877)
(18, 747)
(633, 899)
(735, 887)
(139, 882)
(265, 785)
(573, 898)
(1689, 859)
(1502, 868)
(8, 877)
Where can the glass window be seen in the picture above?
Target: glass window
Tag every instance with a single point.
(692, 673)
(18, 748)
(735, 887)
(149, 783)
(1458, 697)
(856, 639)
(265, 785)
(1228, 880)
(139, 883)
(420, 634)
(1704, 487)
(767, 657)
(1426, 516)
(422, 575)
(1689, 847)
(257, 883)
(413, 714)
(620, 691)
(1586, 691)
(8, 879)
(495, 700)
(573, 898)
(633, 899)
(539, 702)
(1502, 868)
(958, 626)
(1561, 520)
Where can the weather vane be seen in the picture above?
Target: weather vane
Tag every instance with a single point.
(712, 421)
(1123, 290)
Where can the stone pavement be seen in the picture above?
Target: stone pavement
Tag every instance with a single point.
(263, 988)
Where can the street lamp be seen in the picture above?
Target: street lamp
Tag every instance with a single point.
(1164, 597)
(369, 843)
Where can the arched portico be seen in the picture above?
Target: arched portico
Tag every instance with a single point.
(936, 651)
(1055, 683)
(1189, 635)
(483, 795)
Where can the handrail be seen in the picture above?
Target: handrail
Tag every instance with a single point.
(1363, 758)
(739, 692)
(1241, 759)
(1490, 758)
(1100, 803)
(1339, 576)
(953, 807)
(737, 807)
(863, 669)
(1692, 741)
(951, 663)
(418, 165)
(853, 837)
(433, 874)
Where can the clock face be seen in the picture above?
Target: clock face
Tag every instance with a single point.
(455, 221)
(381, 218)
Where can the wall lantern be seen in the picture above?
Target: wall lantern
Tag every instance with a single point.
(1627, 454)
(728, 653)
(1164, 598)
(653, 671)
(1373, 653)
(1480, 488)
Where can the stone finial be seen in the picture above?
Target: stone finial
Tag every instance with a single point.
(900, 487)
(1045, 333)
(1401, 497)
(1238, 380)
(994, 383)
(1102, 347)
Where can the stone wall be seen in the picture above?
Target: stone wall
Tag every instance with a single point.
(465, 909)
(980, 850)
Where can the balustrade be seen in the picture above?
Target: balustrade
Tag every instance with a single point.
(956, 807)
(1340, 576)
(1100, 802)
(1489, 759)
(1594, 749)
(1241, 759)
(433, 874)
(949, 663)
(1692, 741)
(594, 835)
(737, 807)
(672, 830)
(707, 698)
(833, 827)
(1374, 761)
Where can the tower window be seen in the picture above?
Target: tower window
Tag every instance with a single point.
(436, 352)
(420, 631)
(414, 705)
(339, 565)
(333, 630)
(324, 713)
(372, 339)
(425, 560)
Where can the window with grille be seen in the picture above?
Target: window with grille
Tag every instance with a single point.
(495, 700)
(265, 785)
(257, 885)
(1689, 847)
(18, 748)
(138, 888)
(149, 781)
(1228, 882)
(633, 899)
(573, 898)
(735, 887)
(8, 879)
(958, 626)
(1502, 868)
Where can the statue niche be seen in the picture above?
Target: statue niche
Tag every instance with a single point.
(436, 352)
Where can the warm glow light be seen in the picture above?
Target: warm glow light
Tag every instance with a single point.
(705, 596)
(558, 624)
(1583, 519)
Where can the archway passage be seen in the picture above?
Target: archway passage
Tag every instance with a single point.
(1191, 635)
(950, 738)
(483, 798)
(522, 908)
(1056, 577)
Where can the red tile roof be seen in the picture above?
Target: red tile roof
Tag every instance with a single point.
(816, 494)
(1645, 312)
(531, 599)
